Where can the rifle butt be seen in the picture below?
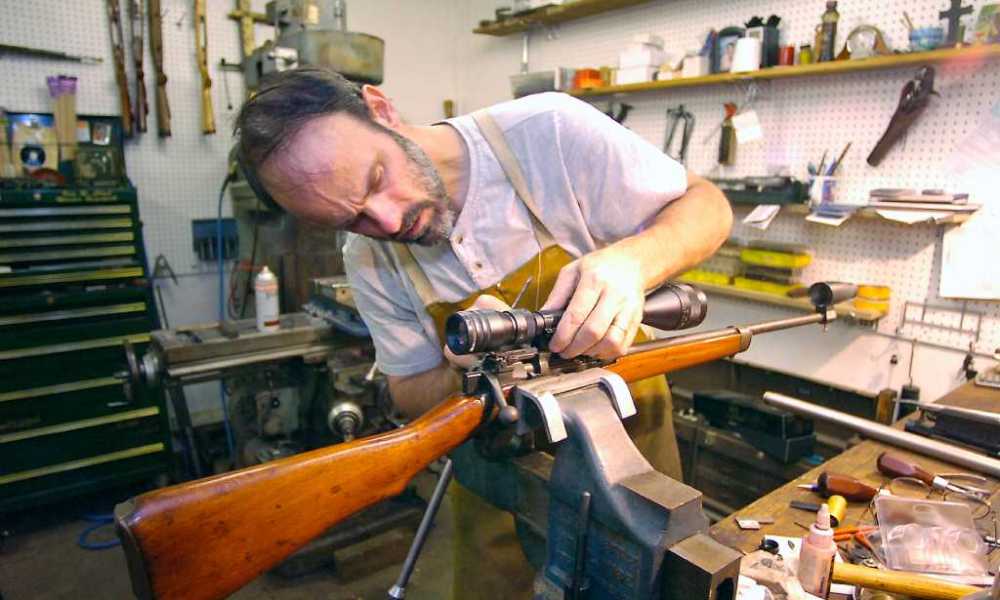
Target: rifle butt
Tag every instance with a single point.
(206, 539)
(162, 109)
(141, 103)
(675, 357)
(207, 110)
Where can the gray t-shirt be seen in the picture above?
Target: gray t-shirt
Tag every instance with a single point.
(595, 182)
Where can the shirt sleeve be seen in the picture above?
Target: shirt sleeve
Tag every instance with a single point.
(402, 345)
(621, 181)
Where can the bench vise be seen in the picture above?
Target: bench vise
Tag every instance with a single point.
(596, 519)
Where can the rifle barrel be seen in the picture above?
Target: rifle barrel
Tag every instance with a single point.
(207, 538)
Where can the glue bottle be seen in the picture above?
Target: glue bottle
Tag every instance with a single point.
(817, 554)
(265, 291)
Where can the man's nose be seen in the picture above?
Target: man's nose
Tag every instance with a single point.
(388, 215)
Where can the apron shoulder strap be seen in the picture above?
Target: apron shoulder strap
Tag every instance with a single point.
(512, 168)
(421, 284)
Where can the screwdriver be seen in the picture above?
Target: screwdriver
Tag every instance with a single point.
(829, 484)
(894, 465)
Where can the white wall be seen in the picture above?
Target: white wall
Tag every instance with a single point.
(801, 118)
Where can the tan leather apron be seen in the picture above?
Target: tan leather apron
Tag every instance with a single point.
(489, 563)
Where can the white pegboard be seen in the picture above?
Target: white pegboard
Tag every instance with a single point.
(802, 118)
(177, 177)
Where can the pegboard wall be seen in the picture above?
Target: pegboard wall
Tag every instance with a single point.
(801, 119)
(177, 177)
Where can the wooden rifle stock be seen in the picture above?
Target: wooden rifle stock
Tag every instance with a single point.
(670, 357)
(207, 538)
(201, 54)
(118, 51)
(141, 104)
(156, 45)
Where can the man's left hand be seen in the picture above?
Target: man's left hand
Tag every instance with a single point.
(603, 295)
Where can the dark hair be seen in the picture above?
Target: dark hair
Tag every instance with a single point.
(285, 102)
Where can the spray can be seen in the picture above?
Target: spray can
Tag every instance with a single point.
(265, 291)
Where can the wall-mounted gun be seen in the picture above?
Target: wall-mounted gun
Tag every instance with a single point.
(135, 26)
(156, 46)
(201, 55)
(118, 52)
(205, 539)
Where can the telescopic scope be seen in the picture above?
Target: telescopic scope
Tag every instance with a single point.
(672, 306)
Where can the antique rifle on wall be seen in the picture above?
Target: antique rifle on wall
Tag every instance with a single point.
(201, 52)
(135, 26)
(208, 538)
(156, 46)
(118, 51)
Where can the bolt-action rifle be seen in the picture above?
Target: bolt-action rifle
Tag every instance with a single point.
(207, 538)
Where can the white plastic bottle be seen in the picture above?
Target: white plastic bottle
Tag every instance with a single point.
(265, 291)
(817, 554)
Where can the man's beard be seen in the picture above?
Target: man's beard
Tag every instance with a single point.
(442, 219)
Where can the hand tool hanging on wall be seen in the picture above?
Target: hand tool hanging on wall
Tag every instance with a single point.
(135, 29)
(53, 54)
(674, 117)
(201, 52)
(912, 102)
(156, 46)
(118, 51)
(727, 141)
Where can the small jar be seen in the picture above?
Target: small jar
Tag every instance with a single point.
(805, 54)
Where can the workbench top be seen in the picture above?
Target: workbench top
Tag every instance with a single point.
(858, 461)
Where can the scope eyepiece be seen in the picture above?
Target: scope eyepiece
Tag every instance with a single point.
(673, 306)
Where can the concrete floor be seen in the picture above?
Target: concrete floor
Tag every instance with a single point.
(40, 560)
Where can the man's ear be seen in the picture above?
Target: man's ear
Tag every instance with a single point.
(380, 106)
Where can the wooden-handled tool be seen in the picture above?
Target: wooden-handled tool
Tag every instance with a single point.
(156, 46)
(829, 484)
(914, 586)
(894, 465)
(135, 28)
(201, 52)
(118, 51)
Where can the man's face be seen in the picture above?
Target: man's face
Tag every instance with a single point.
(343, 173)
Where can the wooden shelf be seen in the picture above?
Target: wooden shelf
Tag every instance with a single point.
(551, 15)
(970, 54)
(844, 309)
(864, 213)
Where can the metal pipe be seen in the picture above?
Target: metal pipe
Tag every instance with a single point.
(889, 435)
(990, 418)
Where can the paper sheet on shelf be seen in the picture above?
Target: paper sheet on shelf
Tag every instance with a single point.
(913, 216)
(970, 258)
(762, 215)
(830, 220)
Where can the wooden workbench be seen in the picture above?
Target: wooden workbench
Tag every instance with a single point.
(858, 461)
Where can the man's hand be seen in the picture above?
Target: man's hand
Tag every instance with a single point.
(603, 294)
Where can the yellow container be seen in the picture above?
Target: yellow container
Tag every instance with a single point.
(767, 287)
(879, 306)
(874, 292)
(771, 258)
(702, 276)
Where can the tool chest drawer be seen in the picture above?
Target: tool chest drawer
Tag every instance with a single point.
(74, 289)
